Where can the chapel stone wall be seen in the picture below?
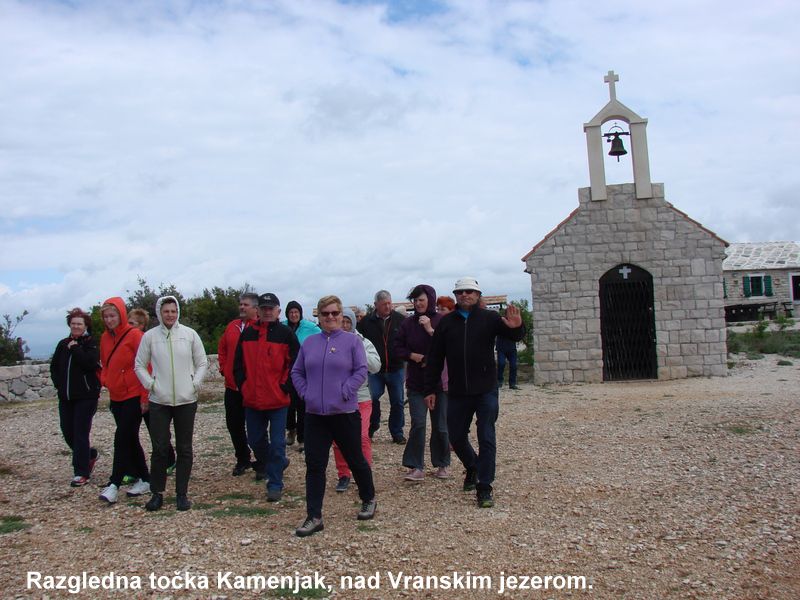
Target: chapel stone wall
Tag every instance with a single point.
(684, 259)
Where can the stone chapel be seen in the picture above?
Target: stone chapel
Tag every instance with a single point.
(627, 286)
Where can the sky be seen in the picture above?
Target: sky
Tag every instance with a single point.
(309, 147)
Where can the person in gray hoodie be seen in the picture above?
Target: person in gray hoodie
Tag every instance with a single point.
(179, 365)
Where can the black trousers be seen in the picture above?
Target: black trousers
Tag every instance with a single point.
(128, 454)
(160, 418)
(321, 431)
(170, 450)
(295, 418)
(235, 421)
(75, 417)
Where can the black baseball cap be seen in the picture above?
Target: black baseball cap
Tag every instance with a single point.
(268, 299)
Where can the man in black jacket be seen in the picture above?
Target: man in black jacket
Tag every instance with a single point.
(381, 328)
(465, 339)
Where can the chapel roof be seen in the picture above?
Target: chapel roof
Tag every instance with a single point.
(750, 256)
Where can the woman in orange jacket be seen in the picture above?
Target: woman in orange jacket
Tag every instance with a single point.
(118, 347)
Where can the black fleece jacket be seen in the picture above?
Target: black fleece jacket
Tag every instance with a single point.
(382, 333)
(468, 347)
(74, 370)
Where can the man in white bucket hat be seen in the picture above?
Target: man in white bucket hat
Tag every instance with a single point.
(465, 338)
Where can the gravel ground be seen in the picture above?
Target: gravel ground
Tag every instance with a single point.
(675, 489)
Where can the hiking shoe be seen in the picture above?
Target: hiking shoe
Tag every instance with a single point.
(110, 493)
(138, 488)
(470, 480)
(367, 510)
(128, 480)
(342, 484)
(274, 495)
(171, 469)
(240, 469)
(513, 387)
(291, 435)
(182, 502)
(399, 439)
(485, 499)
(155, 502)
(309, 527)
(415, 475)
(442, 473)
(79, 481)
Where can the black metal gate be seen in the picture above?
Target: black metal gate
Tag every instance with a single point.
(627, 324)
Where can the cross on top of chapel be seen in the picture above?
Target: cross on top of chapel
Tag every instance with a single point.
(611, 78)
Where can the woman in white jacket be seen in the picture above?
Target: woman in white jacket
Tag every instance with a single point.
(179, 364)
(364, 403)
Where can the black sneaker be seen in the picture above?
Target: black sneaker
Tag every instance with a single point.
(182, 502)
(240, 469)
(342, 484)
(155, 502)
(309, 527)
(400, 439)
(470, 480)
(367, 510)
(485, 499)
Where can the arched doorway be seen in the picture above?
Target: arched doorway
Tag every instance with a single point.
(627, 324)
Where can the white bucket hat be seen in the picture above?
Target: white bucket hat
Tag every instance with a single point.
(467, 283)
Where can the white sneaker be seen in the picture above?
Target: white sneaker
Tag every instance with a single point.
(139, 488)
(109, 494)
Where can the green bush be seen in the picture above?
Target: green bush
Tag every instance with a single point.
(12, 349)
(760, 342)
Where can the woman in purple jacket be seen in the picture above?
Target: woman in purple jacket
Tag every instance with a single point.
(329, 369)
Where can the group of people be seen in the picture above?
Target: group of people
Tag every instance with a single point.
(288, 382)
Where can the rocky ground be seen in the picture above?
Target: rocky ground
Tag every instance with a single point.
(683, 489)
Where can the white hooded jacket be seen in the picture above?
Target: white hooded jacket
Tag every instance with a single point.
(373, 358)
(178, 360)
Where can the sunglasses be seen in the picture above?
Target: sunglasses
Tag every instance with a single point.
(330, 313)
(460, 292)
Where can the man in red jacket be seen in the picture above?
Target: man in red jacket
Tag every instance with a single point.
(264, 357)
(234, 410)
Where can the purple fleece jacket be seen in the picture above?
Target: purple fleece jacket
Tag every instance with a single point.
(328, 372)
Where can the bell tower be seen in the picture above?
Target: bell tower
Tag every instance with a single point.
(616, 110)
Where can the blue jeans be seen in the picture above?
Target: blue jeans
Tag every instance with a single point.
(266, 434)
(414, 454)
(460, 410)
(393, 383)
(512, 367)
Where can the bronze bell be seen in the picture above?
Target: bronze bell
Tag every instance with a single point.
(617, 149)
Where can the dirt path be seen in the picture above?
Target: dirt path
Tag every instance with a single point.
(685, 489)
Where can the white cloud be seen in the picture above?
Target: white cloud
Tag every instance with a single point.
(314, 147)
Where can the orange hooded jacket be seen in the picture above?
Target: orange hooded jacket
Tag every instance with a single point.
(117, 372)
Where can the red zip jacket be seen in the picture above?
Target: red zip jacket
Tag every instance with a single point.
(226, 350)
(264, 356)
(117, 372)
